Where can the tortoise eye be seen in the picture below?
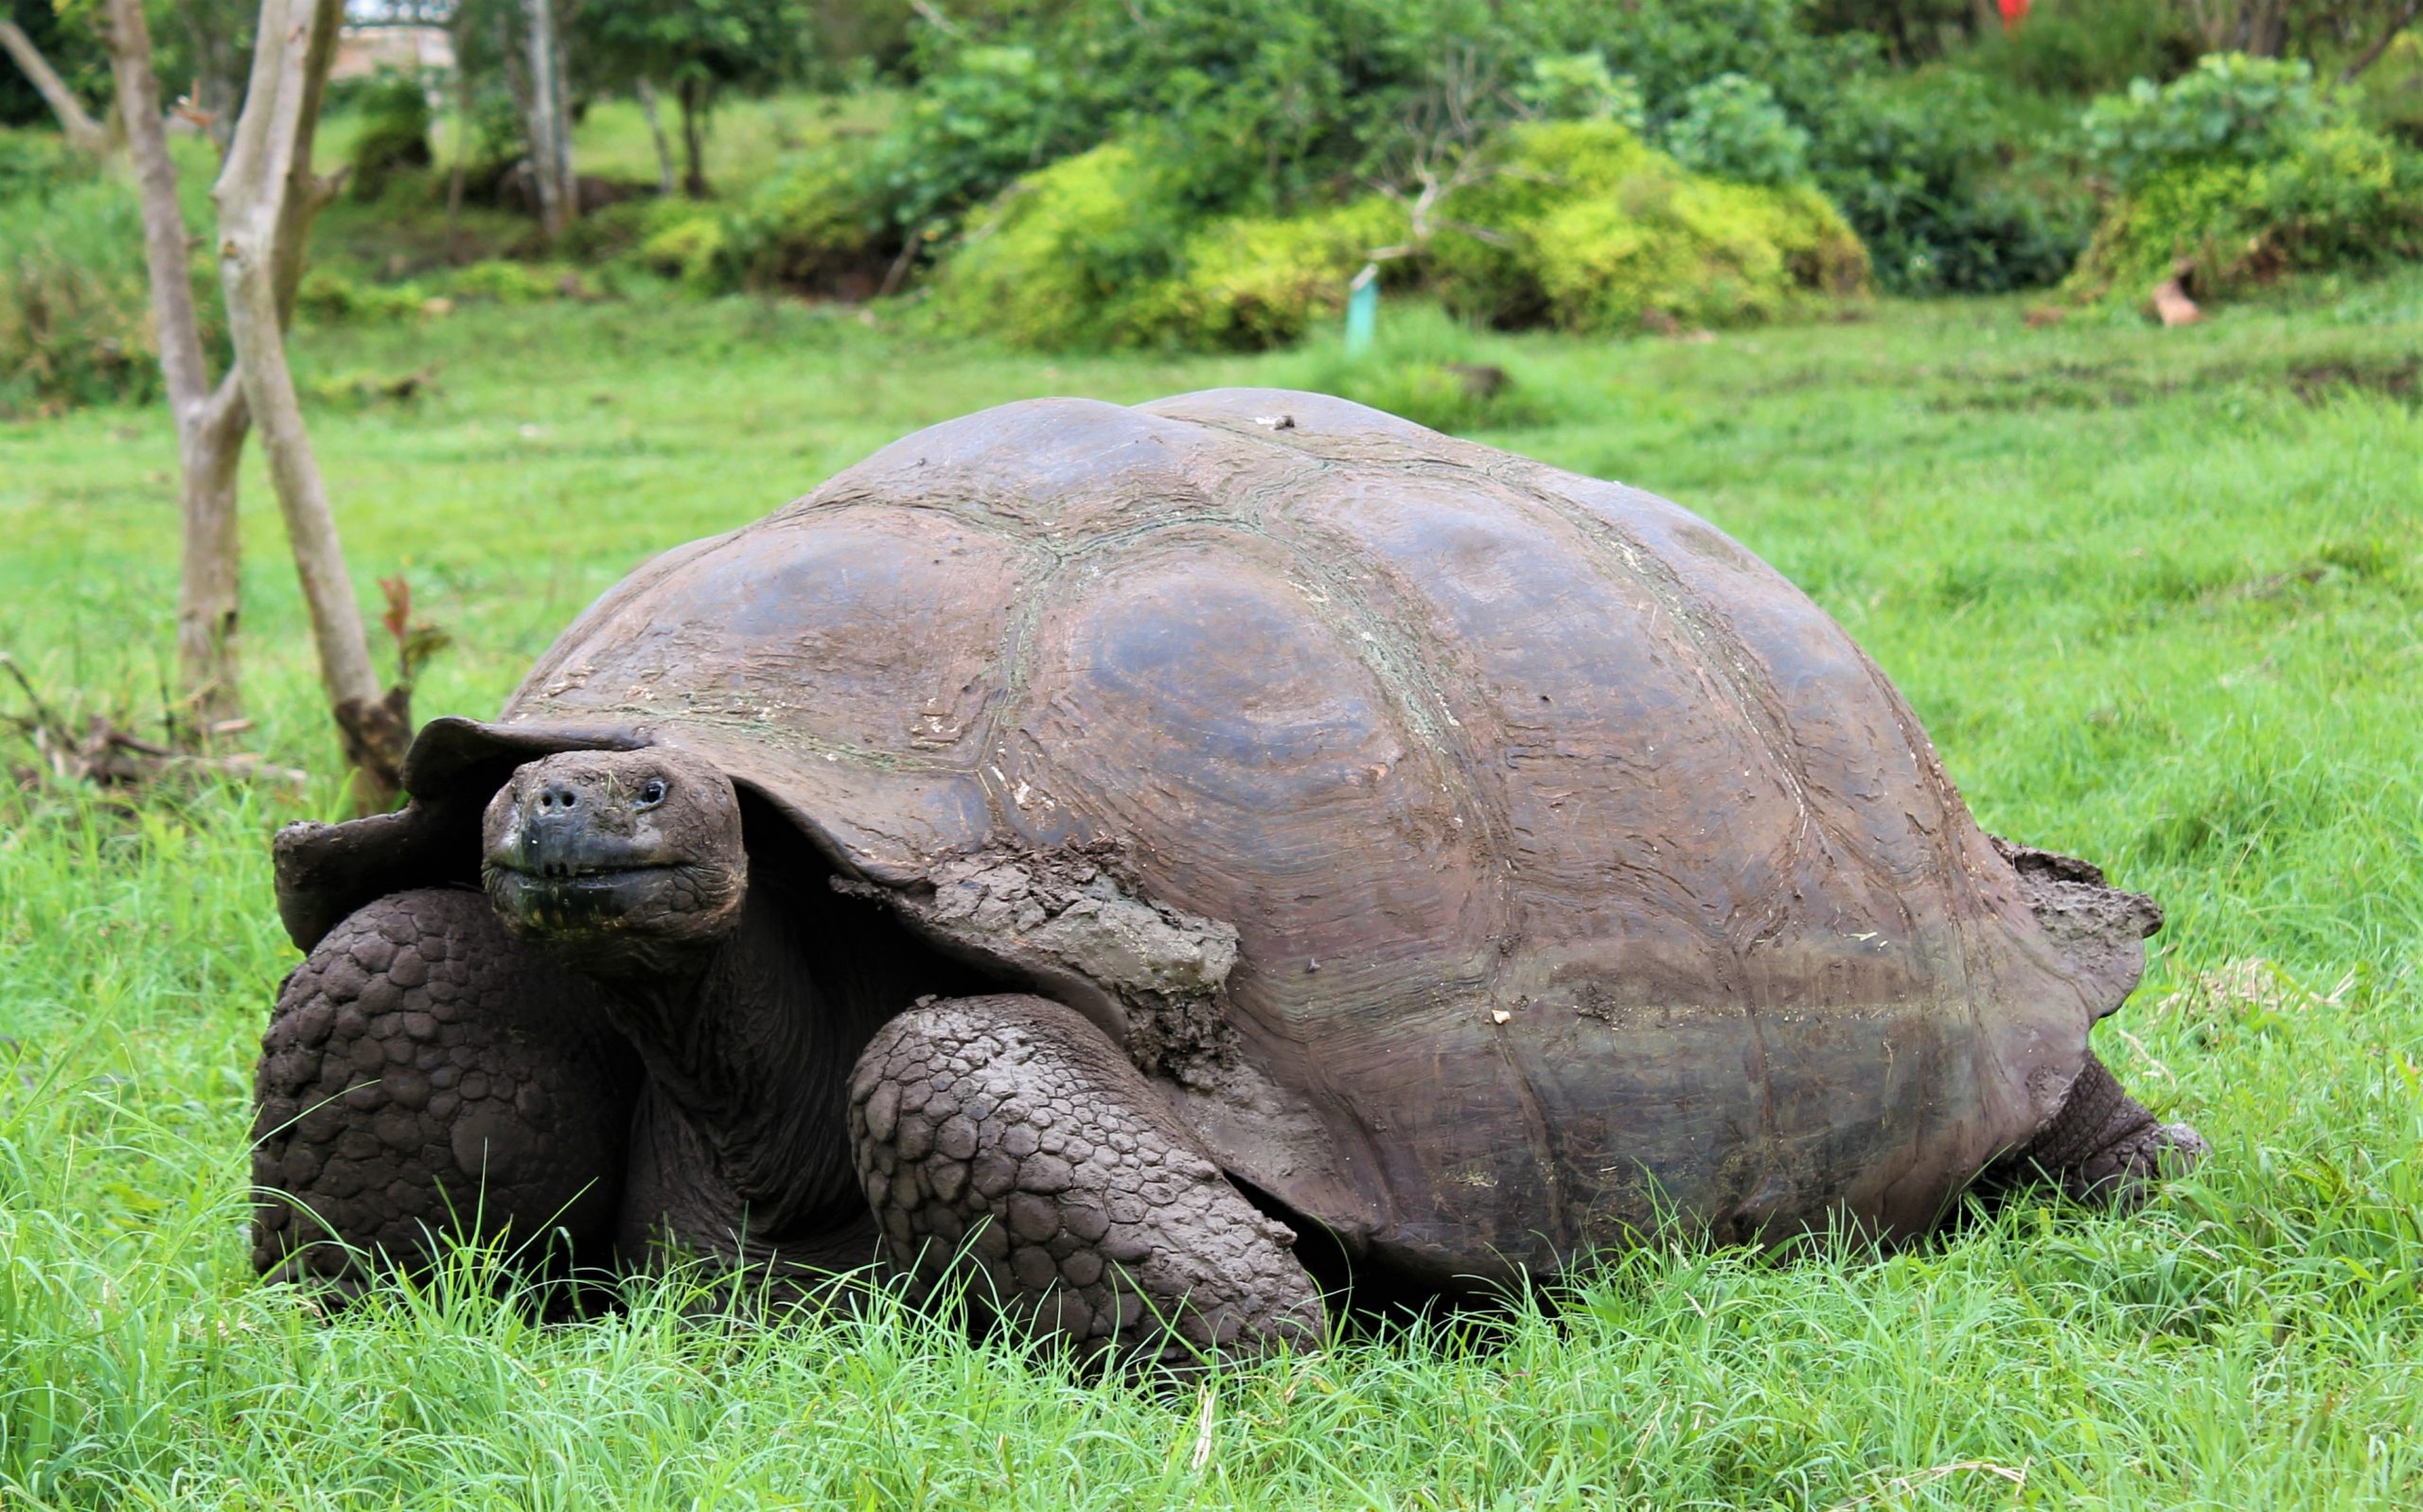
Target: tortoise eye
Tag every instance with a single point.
(651, 792)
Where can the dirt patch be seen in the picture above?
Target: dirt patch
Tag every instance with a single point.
(2400, 379)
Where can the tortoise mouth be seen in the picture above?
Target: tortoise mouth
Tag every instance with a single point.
(573, 904)
(572, 872)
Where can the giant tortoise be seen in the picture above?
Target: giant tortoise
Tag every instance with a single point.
(1155, 862)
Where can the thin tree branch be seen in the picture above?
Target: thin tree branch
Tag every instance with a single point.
(83, 133)
(2381, 44)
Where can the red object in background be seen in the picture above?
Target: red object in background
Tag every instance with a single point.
(2014, 11)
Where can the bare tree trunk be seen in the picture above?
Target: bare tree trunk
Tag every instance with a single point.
(267, 195)
(549, 122)
(462, 157)
(211, 421)
(646, 92)
(692, 94)
(83, 133)
(2381, 44)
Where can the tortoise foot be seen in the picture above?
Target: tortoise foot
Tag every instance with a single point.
(2104, 1146)
(1007, 1144)
(425, 1078)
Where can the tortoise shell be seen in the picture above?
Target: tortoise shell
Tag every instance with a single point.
(1491, 864)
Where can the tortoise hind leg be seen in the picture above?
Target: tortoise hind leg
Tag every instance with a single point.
(1009, 1135)
(2103, 1146)
(425, 1077)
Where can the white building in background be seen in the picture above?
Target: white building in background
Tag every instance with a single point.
(365, 49)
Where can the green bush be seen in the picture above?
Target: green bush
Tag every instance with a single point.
(1100, 249)
(1915, 164)
(1598, 232)
(1731, 127)
(395, 133)
(814, 223)
(2340, 198)
(1252, 282)
(2232, 108)
(980, 118)
(1670, 47)
(75, 323)
(1075, 255)
(498, 281)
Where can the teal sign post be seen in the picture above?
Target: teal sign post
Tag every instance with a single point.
(1362, 309)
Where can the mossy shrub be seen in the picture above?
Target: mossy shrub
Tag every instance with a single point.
(1078, 255)
(1584, 227)
(1252, 282)
(692, 243)
(2340, 198)
(328, 297)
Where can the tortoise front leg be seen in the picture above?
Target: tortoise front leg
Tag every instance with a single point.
(424, 1077)
(1009, 1135)
(2103, 1146)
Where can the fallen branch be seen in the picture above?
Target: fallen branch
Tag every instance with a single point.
(107, 755)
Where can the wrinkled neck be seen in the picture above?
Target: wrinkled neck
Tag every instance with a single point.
(748, 1046)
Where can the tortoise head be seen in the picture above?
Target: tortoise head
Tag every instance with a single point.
(623, 863)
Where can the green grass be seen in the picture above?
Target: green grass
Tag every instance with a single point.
(2157, 595)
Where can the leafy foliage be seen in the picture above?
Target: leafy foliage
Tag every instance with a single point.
(2230, 108)
(1578, 87)
(987, 116)
(1916, 166)
(1732, 128)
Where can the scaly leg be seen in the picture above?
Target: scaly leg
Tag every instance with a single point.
(424, 1077)
(1009, 1135)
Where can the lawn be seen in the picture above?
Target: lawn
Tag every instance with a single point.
(2158, 596)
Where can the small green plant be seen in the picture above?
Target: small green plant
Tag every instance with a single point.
(1432, 369)
(332, 298)
(1578, 87)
